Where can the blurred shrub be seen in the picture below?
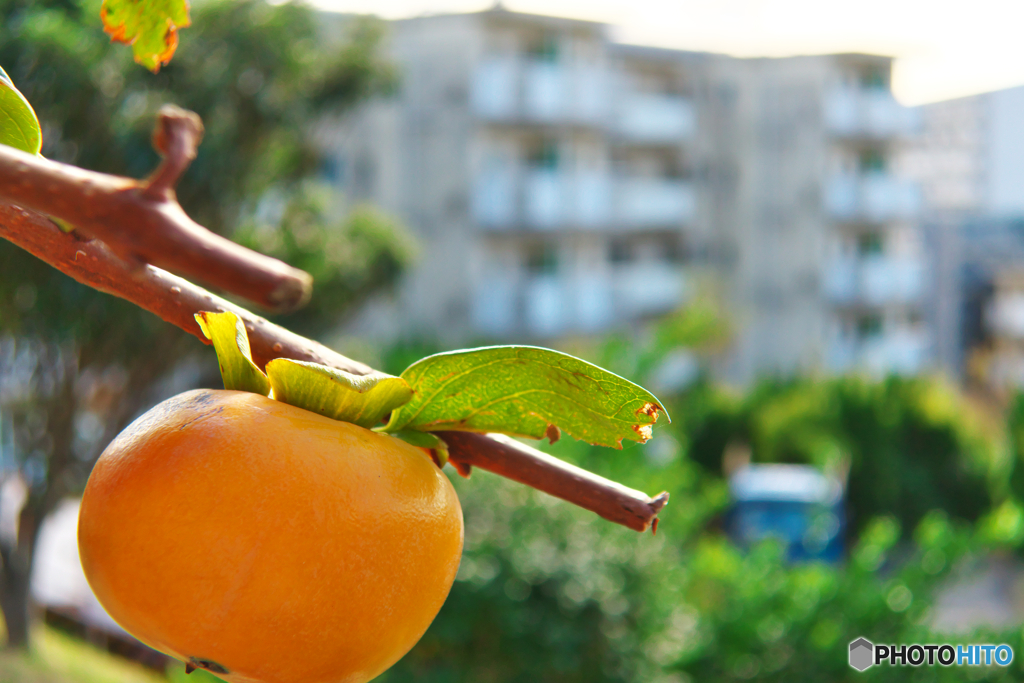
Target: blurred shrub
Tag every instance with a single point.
(548, 592)
(545, 592)
(910, 444)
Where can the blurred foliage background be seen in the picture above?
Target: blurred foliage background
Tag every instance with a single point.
(546, 592)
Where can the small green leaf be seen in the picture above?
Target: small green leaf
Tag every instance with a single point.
(19, 127)
(425, 440)
(149, 26)
(360, 399)
(227, 332)
(525, 391)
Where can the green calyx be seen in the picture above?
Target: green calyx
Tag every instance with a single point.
(360, 399)
(516, 390)
(231, 342)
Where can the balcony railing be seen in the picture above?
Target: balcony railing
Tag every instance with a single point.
(868, 113)
(494, 200)
(526, 90)
(508, 89)
(545, 304)
(872, 197)
(493, 307)
(553, 304)
(905, 351)
(494, 93)
(875, 280)
(509, 197)
(654, 202)
(647, 288)
(655, 118)
(553, 199)
(545, 195)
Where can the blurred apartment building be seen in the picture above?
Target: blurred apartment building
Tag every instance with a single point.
(813, 228)
(562, 183)
(968, 158)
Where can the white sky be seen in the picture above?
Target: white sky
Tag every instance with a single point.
(945, 49)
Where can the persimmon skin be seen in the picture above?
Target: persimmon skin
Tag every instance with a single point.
(246, 535)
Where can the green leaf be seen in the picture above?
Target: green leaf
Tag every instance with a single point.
(227, 332)
(360, 399)
(425, 440)
(19, 127)
(149, 26)
(525, 391)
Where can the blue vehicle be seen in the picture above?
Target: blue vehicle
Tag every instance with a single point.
(796, 504)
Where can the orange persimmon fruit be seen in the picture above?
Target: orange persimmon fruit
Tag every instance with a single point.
(266, 543)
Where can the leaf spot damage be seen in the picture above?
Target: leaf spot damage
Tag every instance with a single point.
(645, 432)
(552, 433)
(650, 410)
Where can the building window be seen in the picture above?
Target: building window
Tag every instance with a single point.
(672, 249)
(544, 156)
(874, 79)
(364, 174)
(869, 327)
(872, 161)
(332, 169)
(545, 49)
(621, 250)
(542, 259)
(869, 244)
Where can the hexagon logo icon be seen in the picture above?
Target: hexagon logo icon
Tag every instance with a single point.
(862, 654)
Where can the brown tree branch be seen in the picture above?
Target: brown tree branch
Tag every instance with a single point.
(510, 458)
(177, 301)
(143, 222)
(177, 136)
(172, 298)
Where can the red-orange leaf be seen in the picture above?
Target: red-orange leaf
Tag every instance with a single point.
(149, 26)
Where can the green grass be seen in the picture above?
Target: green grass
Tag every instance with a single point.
(58, 658)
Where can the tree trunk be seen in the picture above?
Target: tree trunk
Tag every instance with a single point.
(64, 473)
(19, 556)
(16, 579)
(14, 598)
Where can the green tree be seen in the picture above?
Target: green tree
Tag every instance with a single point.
(549, 592)
(75, 364)
(910, 444)
(1015, 434)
